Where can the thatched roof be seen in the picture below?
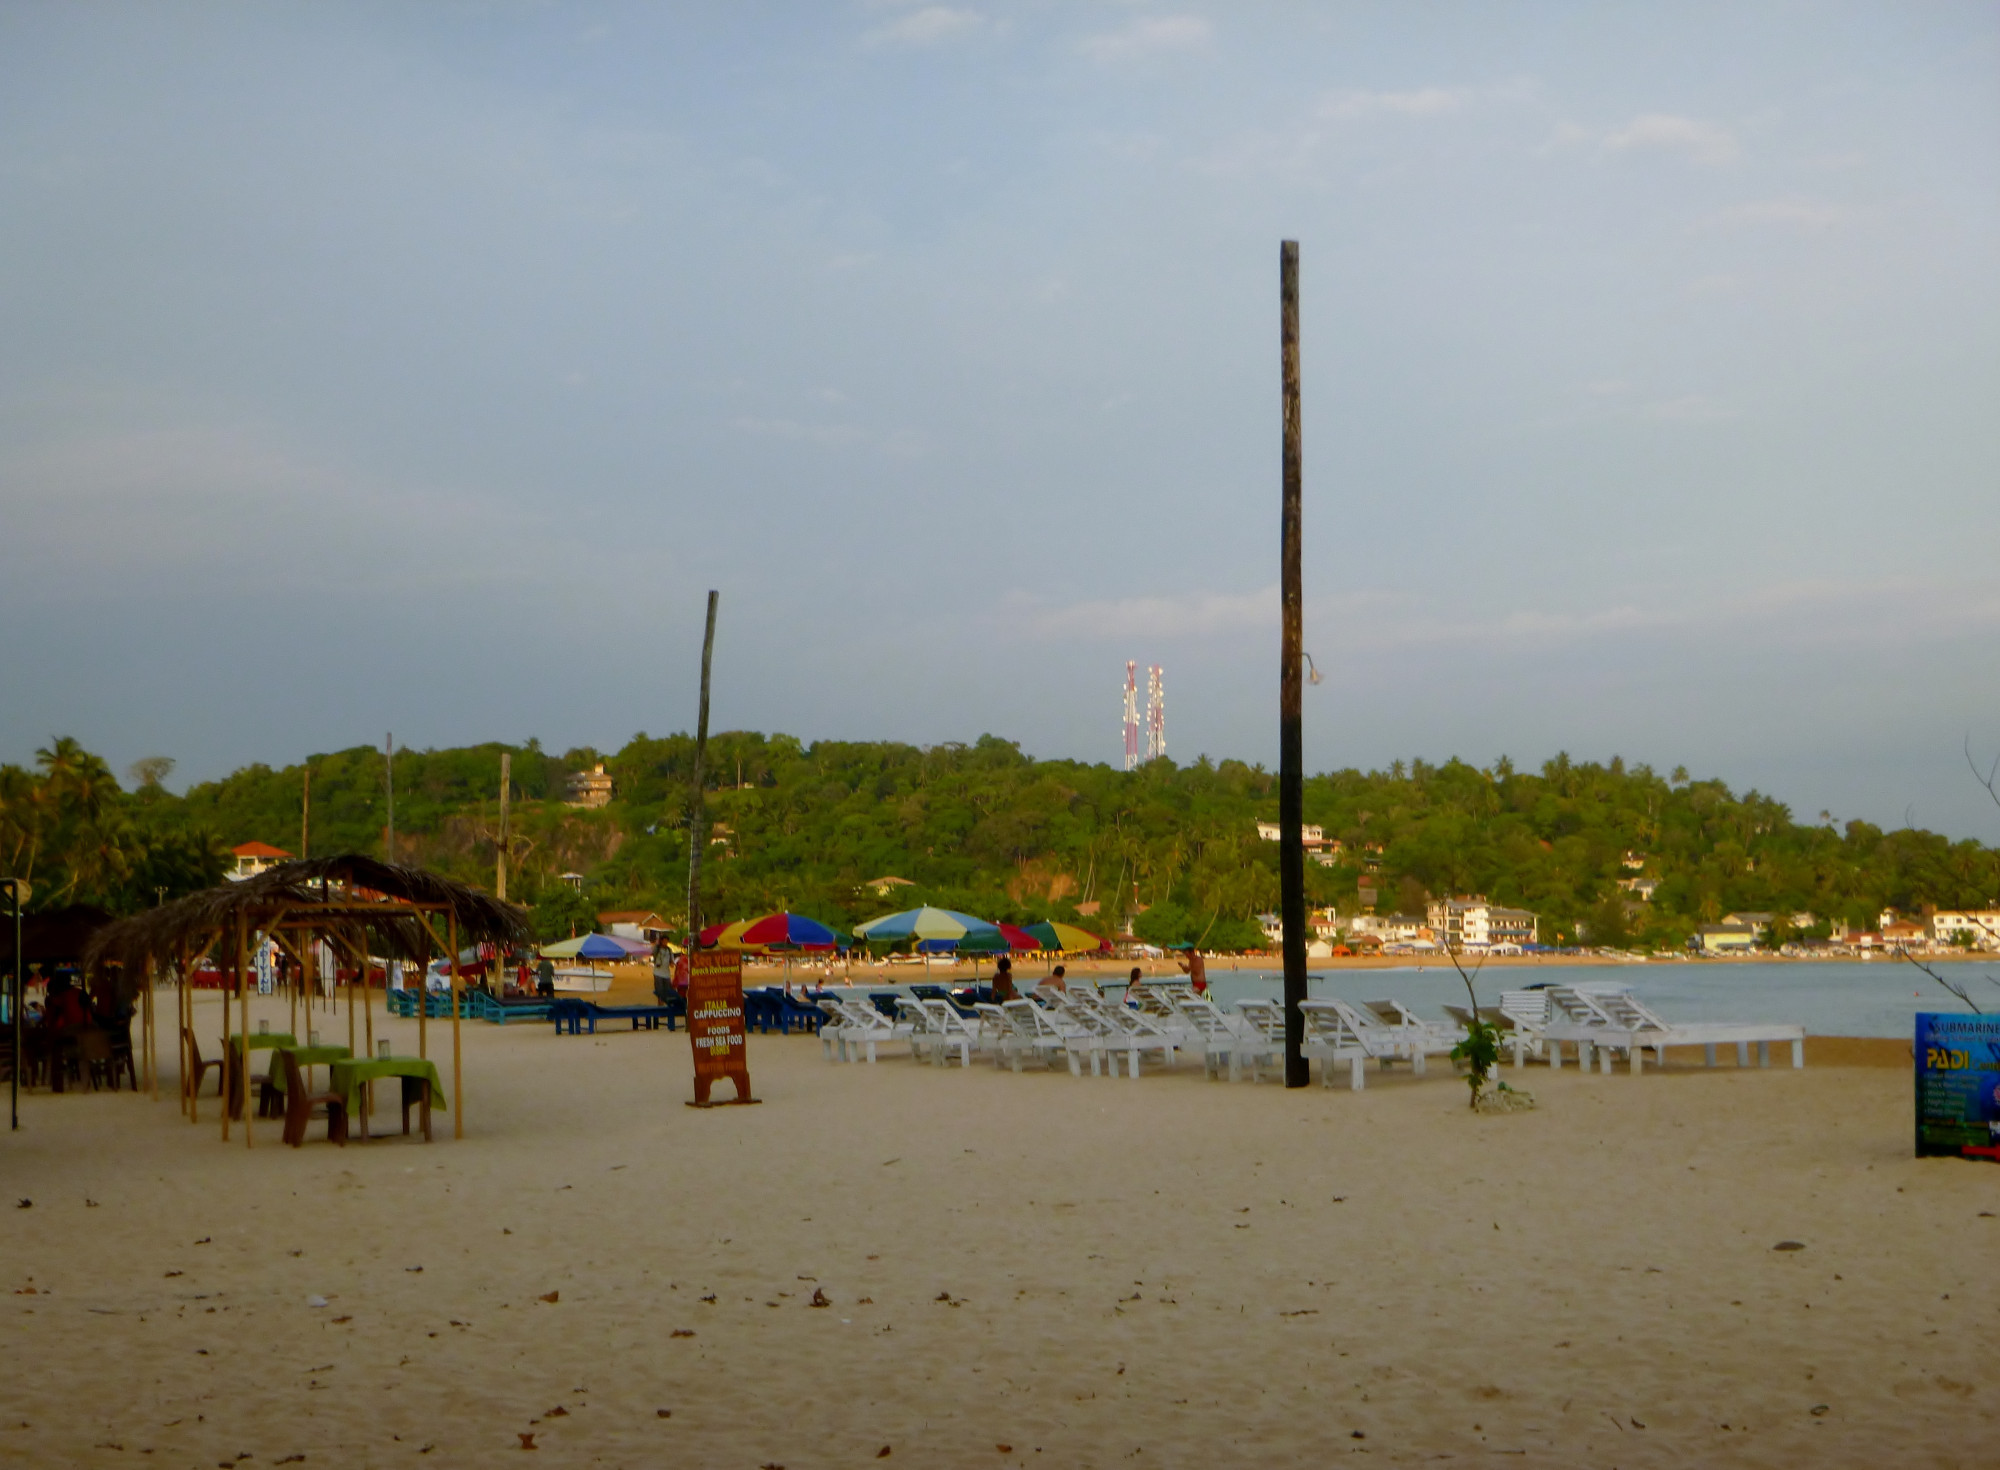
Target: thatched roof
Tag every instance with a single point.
(53, 935)
(349, 896)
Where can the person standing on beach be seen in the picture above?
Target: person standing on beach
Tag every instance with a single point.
(1196, 969)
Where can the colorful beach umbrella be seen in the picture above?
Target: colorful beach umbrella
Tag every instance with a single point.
(933, 930)
(1066, 938)
(596, 947)
(1018, 938)
(772, 931)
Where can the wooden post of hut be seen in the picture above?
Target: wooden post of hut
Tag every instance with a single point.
(152, 1083)
(424, 1013)
(457, 1092)
(228, 1088)
(243, 1021)
(184, 1017)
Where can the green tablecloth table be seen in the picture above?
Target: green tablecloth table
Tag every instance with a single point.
(264, 1041)
(347, 1077)
(309, 1056)
(232, 1057)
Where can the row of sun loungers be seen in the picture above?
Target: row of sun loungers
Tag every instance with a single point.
(1160, 1023)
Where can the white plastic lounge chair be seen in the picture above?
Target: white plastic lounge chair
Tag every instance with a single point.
(951, 1032)
(1085, 1026)
(1437, 1040)
(1223, 1037)
(1123, 1029)
(1512, 1034)
(1265, 1020)
(1631, 1026)
(863, 1028)
(1330, 1041)
(1383, 1043)
(843, 1029)
(1041, 1034)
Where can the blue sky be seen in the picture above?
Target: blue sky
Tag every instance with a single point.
(417, 368)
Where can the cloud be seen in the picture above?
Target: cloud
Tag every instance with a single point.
(897, 443)
(1149, 36)
(1194, 615)
(1691, 408)
(1704, 142)
(931, 26)
(1802, 213)
(1423, 102)
(237, 501)
(827, 435)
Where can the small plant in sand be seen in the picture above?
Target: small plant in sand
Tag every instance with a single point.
(1479, 1049)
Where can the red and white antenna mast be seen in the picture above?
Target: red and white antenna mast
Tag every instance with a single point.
(1131, 714)
(1156, 715)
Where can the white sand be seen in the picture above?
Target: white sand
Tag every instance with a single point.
(1167, 1272)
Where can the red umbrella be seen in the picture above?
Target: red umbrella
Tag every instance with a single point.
(1018, 938)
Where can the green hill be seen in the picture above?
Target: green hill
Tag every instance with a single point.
(986, 829)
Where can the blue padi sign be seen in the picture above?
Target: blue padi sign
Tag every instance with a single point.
(1958, 1086)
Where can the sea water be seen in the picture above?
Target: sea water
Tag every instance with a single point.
(1840, 998)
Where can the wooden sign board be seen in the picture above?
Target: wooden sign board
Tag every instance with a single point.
(715, 1024)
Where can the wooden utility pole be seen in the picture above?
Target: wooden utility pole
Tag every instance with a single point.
(305, 815)
(1291, 742)
(506, 785)
(698, 808)
(389, 775)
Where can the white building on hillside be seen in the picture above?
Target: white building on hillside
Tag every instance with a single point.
(1983, 925)
(1474, 923)
(1389, 928)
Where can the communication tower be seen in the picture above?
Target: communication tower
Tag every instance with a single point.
(1131, 714)
(1156, 714)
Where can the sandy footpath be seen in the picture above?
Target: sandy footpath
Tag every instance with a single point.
(1022, 1270)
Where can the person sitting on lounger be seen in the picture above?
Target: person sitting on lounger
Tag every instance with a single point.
(1003, 981)
(1056, 980)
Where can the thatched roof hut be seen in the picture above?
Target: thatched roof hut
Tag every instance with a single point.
(354, 903)
(374, 907)
(52, 936)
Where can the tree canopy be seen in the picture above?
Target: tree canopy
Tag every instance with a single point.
(984, 828)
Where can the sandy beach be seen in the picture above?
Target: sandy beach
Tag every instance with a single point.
(1019, 1270)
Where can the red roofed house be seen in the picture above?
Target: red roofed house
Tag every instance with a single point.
(253, 857)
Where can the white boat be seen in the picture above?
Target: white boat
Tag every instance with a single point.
(584, 980)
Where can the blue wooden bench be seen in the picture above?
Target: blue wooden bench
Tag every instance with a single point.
(404, 1003)
(578, 1016)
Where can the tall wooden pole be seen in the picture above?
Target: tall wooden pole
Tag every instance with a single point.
(389, 776)
(698, 808)
(506, 786)
(1291, 742)
(305, 815)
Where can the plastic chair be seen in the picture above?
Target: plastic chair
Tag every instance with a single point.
(299, 1105)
